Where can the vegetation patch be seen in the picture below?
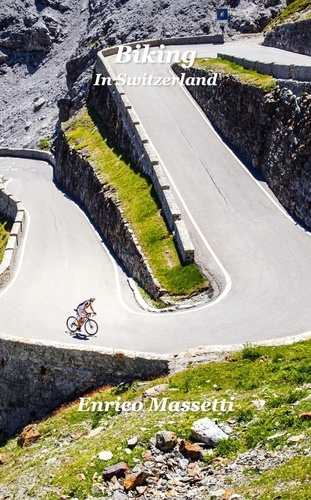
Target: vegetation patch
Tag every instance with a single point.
(4, 236)
(289, 481)
(269, 392)
(140, 205)
(295, 11)
(246, 76)
(44, 144)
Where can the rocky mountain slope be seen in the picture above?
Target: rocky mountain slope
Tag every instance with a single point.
(48, 48)
(232, 430)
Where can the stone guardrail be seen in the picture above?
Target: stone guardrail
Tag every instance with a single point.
(278, 71)
(13, 209)
(32, 154)
(155, 42)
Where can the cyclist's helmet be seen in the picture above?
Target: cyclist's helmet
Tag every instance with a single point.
(92, 299)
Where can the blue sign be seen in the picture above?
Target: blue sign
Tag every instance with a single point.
(222, 14)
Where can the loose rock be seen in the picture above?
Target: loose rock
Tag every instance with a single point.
(135, 479)
(117, 470)
(166, 440)
(28, 436)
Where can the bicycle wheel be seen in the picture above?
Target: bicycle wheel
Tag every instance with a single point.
(71, 324)
(90, 326)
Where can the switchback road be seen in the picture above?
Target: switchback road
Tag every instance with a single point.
(241, 234)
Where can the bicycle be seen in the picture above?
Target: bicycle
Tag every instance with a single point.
(90, 325)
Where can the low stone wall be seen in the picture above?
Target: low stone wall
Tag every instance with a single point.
(14, 212)
(279, 71)
(32, 154)
(271, 130)
(37, 377)
(295, 37)
(217, 38)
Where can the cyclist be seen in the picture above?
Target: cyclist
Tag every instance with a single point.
(82, 311)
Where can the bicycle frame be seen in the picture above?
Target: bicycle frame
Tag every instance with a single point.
(90, 325)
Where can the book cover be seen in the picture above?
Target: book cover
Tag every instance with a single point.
(155, 225)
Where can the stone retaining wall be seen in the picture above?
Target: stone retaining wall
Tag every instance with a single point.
(295, 37)
(298, 88)
(271, 130)
(37, 377)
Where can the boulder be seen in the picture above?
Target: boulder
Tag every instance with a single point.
(155, 391)
(54, 27)
(38, 103)
(131, 443)
(206, 431)
(5, 457)
(20, 38)
(3, 57)
(105, 455)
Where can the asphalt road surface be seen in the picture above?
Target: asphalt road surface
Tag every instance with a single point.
(260, 256)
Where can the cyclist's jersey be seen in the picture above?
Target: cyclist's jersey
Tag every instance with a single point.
(84, 304)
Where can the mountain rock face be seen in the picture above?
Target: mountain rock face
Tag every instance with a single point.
(26, 28)
(48, 49)
(36, 39)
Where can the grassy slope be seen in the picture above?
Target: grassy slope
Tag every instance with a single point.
(4, 235)
(296, 11)
(138, 201)
(281, 376)
(266, 82)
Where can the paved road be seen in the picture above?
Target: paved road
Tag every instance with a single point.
(265, 255)
(62, 263)
(265, 54)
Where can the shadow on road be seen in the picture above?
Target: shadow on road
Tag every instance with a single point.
(78, 336)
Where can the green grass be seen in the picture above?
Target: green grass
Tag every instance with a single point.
(289, 482)
(141, 208)
(246, 76)
(291, 13)
(4, 236)
(281, 376)
(44, 144)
